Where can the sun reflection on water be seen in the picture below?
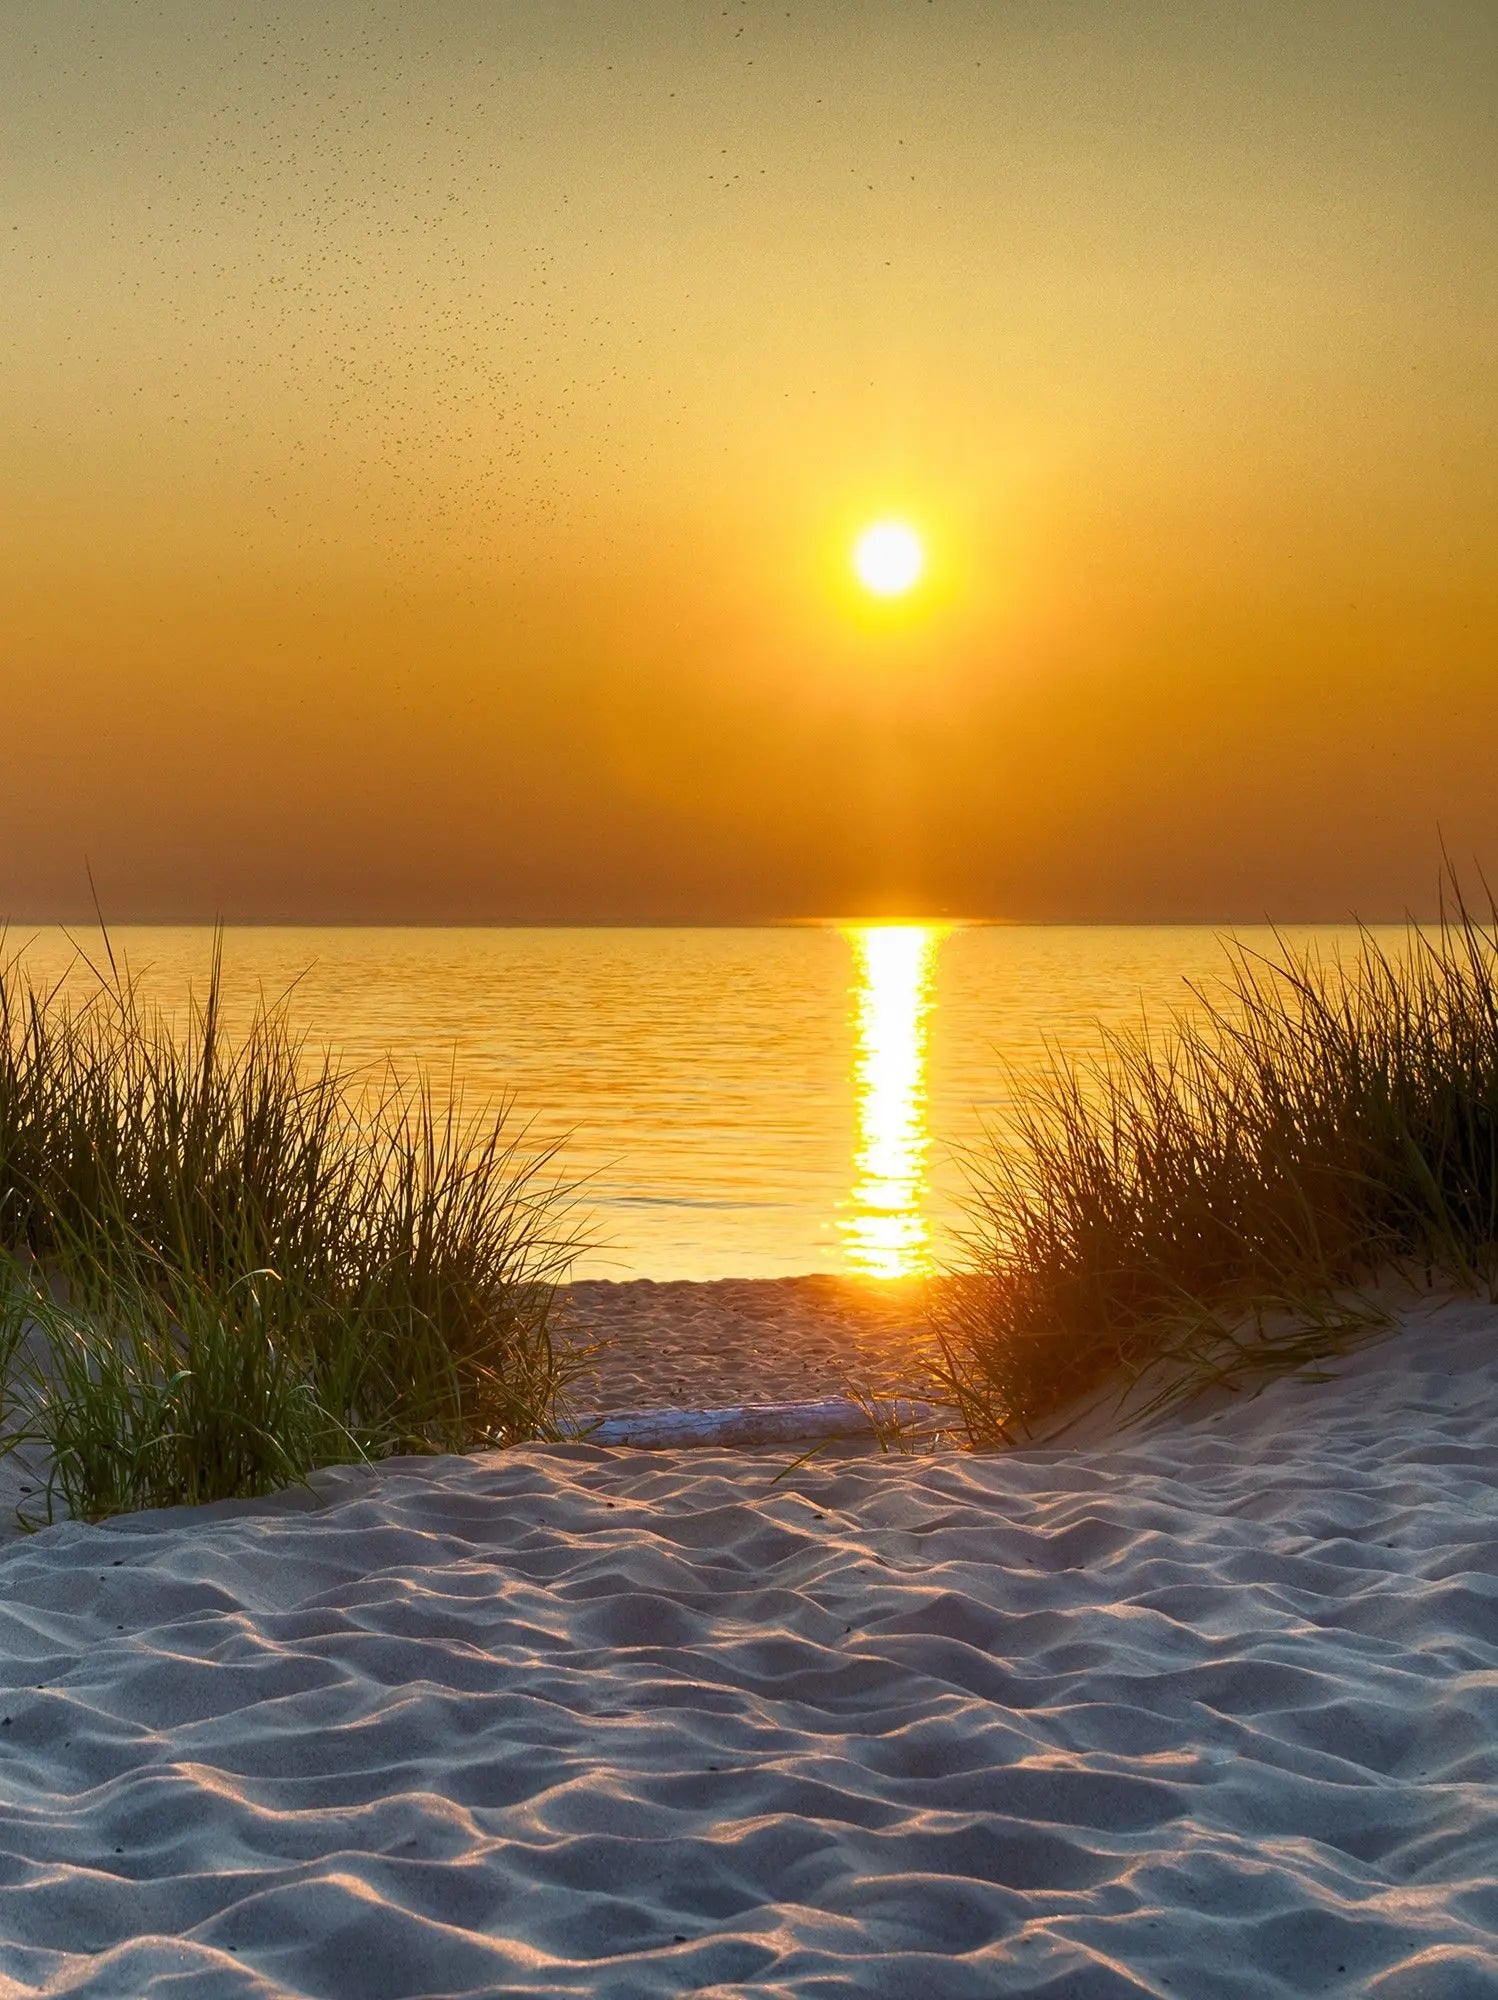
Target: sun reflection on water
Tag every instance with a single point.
(886, 1233)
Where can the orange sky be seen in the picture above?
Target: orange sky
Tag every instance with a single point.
(433, 437)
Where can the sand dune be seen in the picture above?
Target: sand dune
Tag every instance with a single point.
(1212, 1712)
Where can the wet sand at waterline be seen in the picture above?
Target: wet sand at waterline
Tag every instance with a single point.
(1210, 1709)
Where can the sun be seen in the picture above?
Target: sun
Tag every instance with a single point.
(888, 558)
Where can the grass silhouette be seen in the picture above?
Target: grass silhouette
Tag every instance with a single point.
(1222, 1195)
(229, 1261)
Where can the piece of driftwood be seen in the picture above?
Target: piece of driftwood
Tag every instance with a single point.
(756, 1423)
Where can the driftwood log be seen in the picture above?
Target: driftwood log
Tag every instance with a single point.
(758, 1423)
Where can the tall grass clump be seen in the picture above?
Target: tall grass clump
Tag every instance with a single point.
(1217, 1194)
(228, 1262)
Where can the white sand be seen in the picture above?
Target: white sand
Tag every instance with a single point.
(1213, 1712)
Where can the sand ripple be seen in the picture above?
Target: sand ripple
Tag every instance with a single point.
(1215, 1714)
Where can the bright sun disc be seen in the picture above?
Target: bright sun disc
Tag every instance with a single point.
(888, 558)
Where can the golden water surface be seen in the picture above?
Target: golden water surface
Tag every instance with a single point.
(886, 1228)
(736, 1102)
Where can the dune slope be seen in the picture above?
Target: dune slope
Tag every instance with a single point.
(1209, 1713)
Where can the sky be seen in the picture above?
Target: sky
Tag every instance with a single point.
(434, 437)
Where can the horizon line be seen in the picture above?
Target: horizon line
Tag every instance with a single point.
(890, 920)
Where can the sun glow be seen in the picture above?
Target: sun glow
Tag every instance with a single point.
(885, 1231)
(888, 558)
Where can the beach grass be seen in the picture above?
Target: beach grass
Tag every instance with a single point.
(1219, 1196)
(230, 1260)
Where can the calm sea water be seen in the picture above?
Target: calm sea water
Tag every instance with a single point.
(751, 1102)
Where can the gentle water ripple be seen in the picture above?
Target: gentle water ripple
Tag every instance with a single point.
(746, 1102)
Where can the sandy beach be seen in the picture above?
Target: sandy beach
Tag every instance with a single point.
(676, 1344)
(1211, 1711)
